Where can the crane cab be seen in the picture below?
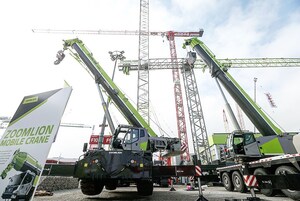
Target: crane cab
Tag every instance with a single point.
(241, 143)
(130, 138)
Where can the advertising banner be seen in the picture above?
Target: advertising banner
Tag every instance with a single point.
(94, 139)
(26, 142)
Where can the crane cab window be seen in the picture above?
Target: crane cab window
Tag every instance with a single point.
(238, 144)
(249, 138)
(238, 140)
(131, 136)
(229, 141)
(142, 133)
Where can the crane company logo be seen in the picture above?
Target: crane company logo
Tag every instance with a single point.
(31, 135)
(31, 100)
(25, 144)
(115, 152)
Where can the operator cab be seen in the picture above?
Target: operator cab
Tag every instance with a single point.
(130, 138)
(241, 143)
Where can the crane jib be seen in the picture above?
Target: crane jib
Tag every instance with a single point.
(116, 95)
(100, 80)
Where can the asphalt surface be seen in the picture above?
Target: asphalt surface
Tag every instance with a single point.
(130, 193)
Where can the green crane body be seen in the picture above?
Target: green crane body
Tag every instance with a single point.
(129, 159)
(251, 109)
(273, 141)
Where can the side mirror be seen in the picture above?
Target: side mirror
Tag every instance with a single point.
(85, 145)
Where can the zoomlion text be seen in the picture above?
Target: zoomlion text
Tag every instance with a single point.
(32, 135)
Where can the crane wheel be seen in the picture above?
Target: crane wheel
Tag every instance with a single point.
(238, 182)
(111, 185)
(266, 192)
(226, 180)
(283, 170)
(144, 187)
(89, 187)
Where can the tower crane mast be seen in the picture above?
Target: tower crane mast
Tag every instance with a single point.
(143, 57)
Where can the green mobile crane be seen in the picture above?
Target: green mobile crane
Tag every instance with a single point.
(130, 157)
(21, 186)
(240, 143)
(274, 153)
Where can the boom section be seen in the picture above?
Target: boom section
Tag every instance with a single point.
(265, 126)
(127, 109)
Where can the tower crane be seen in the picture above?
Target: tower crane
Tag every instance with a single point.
(142, 66)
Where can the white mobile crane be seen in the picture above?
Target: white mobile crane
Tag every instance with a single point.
(274, 153)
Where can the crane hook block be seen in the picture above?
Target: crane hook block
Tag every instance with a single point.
(60, 56)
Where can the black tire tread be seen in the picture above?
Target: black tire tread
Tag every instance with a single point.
(242, 188)
(295, 195)
(145, 187)
(228, 187)
(91, 187)
(266, 192)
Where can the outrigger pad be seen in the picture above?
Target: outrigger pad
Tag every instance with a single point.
(201, 198)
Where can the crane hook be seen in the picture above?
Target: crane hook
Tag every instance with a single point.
(60, 56)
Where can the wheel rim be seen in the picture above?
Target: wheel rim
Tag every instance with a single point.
(237, 181)
(226, 181)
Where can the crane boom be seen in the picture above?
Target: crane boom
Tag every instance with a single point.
(251, 109)
(101, 77)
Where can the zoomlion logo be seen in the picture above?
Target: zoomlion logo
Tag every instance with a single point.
(115, 152)
(30, 100)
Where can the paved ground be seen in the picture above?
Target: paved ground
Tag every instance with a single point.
(130, 193)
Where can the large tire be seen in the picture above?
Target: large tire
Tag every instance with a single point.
(226, 180)
(238, 182)
(283, 170)
(266, 192)
(112, 185)
(144, 187)
(89, 187)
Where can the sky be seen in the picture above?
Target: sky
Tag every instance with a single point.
(232, 29)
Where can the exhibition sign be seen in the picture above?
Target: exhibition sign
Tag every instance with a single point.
(26, 142)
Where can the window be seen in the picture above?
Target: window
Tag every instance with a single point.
(131, 136)
(135, 135)
(238, 140)
(249, 138)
